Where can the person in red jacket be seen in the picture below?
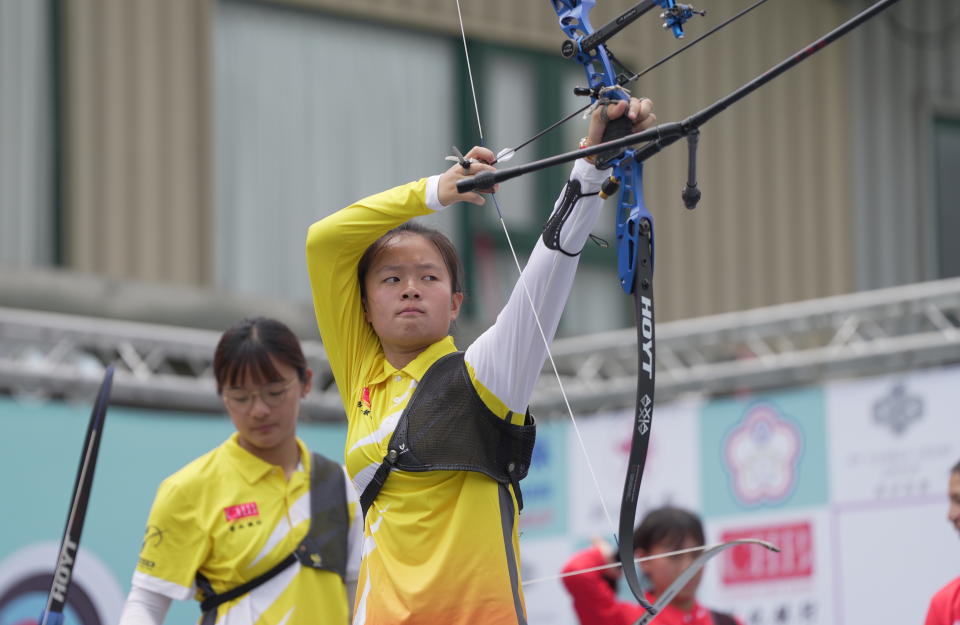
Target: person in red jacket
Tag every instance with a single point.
(945, 605)
(662, 530)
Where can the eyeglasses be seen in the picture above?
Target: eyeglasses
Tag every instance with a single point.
(270, 394)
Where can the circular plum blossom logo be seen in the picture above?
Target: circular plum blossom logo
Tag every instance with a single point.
(762, 454)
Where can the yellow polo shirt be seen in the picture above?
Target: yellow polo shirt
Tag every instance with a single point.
(232, 516)
(440, 546)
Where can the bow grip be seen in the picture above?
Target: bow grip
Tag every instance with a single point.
(616, 128)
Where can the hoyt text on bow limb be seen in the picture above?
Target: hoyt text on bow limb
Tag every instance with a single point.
(54, 608)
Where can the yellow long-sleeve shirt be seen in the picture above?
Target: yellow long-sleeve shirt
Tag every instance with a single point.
(440, 546)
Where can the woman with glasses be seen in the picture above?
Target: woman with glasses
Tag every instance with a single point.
(437, 439)
(262, 529)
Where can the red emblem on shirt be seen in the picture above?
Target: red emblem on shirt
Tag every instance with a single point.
(241, 511)
(364, 404)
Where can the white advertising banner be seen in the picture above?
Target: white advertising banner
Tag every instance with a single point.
(890, 561)
(670, 476)
(893, 438)
(893, 441)
(762, 587)
(849, 479)
(547, 601)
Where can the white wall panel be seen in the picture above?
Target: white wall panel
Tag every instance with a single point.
(313, 113)
(905, 70)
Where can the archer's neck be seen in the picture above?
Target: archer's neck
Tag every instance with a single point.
(285, 455)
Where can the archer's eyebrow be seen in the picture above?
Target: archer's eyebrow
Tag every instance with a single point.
(395, 268)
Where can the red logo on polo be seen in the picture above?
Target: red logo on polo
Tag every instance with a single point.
(241, 511)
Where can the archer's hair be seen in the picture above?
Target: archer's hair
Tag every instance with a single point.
(447, 251)
(668, 526)
(956, 468)
(246, 348)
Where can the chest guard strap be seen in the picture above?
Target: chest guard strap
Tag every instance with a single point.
(324, 546)
(447, 427)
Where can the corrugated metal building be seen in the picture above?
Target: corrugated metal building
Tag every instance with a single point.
(191, 142)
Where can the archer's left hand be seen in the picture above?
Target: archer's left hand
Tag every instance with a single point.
(638, 110)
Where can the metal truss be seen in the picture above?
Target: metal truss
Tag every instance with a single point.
(46, 355)
(53, 356)
(809, 342)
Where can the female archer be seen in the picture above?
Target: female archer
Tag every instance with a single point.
(259, 530)
(437, 440)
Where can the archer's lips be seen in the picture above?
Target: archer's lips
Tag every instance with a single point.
(410, 311)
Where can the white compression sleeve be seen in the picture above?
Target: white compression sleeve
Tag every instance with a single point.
(144, 607)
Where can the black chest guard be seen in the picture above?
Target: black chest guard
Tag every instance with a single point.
(447, 427)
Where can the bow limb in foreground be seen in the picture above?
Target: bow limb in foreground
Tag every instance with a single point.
(53, 612)
(634, 224)
(688, 574)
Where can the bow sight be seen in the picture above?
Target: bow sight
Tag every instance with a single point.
(674, 16)
(585, 46)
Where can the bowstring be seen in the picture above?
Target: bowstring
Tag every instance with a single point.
(615, 565)
(533, 309)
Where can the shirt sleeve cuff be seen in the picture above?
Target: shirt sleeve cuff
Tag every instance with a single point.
(589, 176)
(433, 197)
(161, 586)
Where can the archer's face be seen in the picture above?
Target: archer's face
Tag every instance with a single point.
(953, 490)
(265, 411)
(662, 571)
(409, 299)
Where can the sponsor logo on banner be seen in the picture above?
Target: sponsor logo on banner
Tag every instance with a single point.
(537, 493)
(898, 409)
(785, 612)
(749, 564)
(545, 487)
(761, 454)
